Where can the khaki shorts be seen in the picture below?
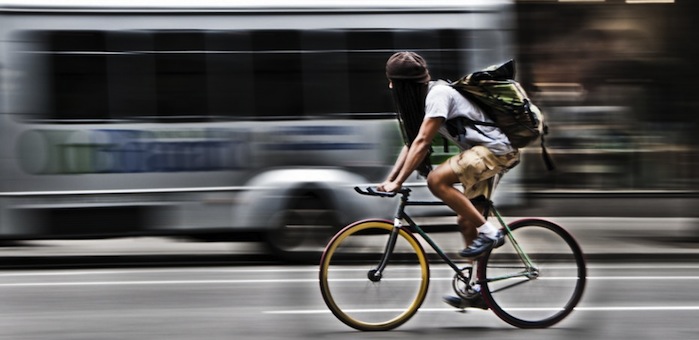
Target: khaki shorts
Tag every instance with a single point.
(477, 165)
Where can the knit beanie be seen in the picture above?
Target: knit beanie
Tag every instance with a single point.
(407, 66)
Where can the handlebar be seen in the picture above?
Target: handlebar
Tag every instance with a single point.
(369, 191)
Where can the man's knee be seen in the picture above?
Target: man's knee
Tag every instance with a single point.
(432, 182)
(437, 183)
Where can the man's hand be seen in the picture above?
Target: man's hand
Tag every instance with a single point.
(389, 186)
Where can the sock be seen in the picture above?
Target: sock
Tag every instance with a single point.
(488, 230)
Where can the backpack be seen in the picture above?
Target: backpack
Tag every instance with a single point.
(504, 101)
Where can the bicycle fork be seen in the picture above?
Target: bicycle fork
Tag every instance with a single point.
(375, 275)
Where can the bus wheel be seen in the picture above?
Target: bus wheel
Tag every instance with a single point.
(301, 232)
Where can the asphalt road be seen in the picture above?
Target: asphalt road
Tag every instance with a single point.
(622, 301)
(642, 280)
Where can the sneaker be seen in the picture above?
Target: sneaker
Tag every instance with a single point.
(483, 243)
(475, 302)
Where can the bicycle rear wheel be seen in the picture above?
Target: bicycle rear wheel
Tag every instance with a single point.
(540, 295)
(346, 268)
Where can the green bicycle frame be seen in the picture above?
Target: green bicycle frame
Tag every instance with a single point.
(414, 227)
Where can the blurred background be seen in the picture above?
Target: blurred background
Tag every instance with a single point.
(254, 121)
(615, 78)
(162, 163)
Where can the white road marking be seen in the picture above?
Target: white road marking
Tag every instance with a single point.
(292, 280)
(281, 270)
(448, 309)
(148, 282)
(643, 278)
(158, 271)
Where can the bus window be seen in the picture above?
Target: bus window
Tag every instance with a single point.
(277, 65)
(202, 75)
(180, 67)
(230, 77)
(439, 47)
(366, 60)
(79, 80)
(325, 73)
(132, 82)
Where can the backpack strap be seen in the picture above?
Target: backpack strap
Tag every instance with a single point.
(457, 126)
(550, 166)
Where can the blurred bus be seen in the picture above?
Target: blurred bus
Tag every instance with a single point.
(219, 120)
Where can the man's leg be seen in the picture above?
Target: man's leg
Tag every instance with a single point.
(441, 183)
(472, 168)
(467, 229)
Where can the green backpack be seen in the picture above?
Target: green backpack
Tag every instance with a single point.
(504, 101)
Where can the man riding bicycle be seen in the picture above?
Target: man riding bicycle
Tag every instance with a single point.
(424, 107)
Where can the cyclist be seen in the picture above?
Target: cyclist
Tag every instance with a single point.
(423, 108)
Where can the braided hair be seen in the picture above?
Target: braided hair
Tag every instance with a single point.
(409, 99)
(409, 75)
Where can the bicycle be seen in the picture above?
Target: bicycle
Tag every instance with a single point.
(374, 274)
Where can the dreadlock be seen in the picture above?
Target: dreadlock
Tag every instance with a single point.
(409, 98)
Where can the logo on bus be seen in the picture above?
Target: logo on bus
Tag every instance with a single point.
(44, 151)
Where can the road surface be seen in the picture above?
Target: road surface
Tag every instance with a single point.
(622, 301)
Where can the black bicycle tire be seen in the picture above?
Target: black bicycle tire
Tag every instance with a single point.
(577, 293)
(327, 295)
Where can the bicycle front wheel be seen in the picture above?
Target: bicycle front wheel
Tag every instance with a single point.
(351, 290)
(537, 278)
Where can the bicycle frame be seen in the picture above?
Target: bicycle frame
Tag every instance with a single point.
(496, 271)
(489, 209)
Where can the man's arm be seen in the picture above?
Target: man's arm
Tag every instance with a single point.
(416, 153)
(399, 164)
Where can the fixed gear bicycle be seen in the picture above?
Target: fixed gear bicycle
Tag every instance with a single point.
(374, 274)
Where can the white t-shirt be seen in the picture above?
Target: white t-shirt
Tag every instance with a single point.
(445, 102)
